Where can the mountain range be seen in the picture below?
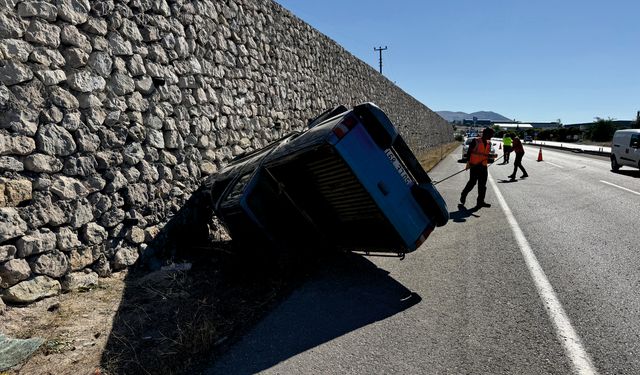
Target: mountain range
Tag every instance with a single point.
(481, 115)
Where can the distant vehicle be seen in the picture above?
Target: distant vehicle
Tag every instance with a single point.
(465, 147)
(348, 182)
(528, 139)
(625, 149)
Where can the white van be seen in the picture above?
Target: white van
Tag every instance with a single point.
(625, 149)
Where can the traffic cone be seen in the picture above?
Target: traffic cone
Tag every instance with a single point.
(540, 154)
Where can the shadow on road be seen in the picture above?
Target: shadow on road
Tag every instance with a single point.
(628, 172)
(462, 214)
(351, 292)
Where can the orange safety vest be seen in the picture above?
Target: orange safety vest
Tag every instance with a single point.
(480, 154)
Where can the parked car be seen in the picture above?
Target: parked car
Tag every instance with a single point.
(465, 148)
(625, 149)
(349, 181)
(527, 139)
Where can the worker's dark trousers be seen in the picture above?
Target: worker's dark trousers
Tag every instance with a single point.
(477, 174)
(518, 164)
(507, 151)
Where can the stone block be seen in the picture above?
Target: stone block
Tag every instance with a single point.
(102, 266)
(7, 252)
(63, 98)
(122, 84)
(68, 188)
(96, 26)
(16, 145)
(13, 73)
(42, 163)
(79, 280)
(10, 26)
(15, 49)
(125, 257)
(35, 243)
(119, 46)
(93, 234)
(73, 11)
(55, 140)
(81, 213)
(14, 271)
(76, 58)
(70, 35)
(9, 163)
(84, 81)
(11, 224)
(43, 33)
(32, 290)
(81, 258)
(54, 264)
(51, 77)
(67, 240)
(16, 191)
(40, 9)
(135, 235)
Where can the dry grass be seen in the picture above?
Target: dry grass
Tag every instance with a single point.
(170, 321)
(431, 158)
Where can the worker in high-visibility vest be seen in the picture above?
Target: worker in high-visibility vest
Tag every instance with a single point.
(478, 156)
(519, 151)
(507, 142)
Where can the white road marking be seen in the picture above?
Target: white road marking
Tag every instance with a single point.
(580, 360)
(555, 165)
(620, 187)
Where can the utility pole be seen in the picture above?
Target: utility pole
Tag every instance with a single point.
(380, 49)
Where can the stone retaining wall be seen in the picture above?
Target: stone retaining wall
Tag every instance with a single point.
(113, 111)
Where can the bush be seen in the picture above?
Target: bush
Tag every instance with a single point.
(546, 135)
(602, 130)
(567, 134)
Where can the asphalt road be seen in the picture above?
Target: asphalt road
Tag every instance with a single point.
(546, 281)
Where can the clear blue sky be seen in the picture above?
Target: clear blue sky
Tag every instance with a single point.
(528, 60)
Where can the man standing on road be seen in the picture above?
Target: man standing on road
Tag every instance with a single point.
(519, 151)
(506, 143)
(478, 156)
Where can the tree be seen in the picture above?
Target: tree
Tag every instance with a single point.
(602, 130)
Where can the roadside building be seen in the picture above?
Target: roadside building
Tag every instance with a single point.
(618, 124)
(513, 126)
